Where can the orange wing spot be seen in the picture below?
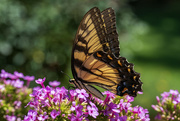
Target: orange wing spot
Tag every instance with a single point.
(134, 91)
(134, 77)
(133, 85)
(98, 55)
(124, 90)
(119, 62)
(129, 70)
(110, 57)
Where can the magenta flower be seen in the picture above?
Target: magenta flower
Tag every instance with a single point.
(29, 78)
(54, 83)
(82, 94)
(54, 113)
(41, 81)
(174, 92)
(43, 117)
(18, 83)
(18, 75)
(32, 115)
(10, 118)
(92, 110)
(4, 74)
(168, 107)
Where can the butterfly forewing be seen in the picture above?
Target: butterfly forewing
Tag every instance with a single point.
(109, 20)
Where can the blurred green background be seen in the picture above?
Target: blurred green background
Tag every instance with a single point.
(36, 38)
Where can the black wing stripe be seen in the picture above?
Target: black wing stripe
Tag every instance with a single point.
(108, 16)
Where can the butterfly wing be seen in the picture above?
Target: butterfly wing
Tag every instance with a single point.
(95, 57)
(109, 19)
(90, 38)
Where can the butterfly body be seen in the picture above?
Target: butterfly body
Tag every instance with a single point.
(96, 59)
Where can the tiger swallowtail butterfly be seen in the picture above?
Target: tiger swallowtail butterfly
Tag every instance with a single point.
(96, 60)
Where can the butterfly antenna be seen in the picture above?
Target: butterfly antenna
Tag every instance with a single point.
(66, 74)
(69, 79)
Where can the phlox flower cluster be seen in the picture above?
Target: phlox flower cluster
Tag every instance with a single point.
(57, 103)
(168, 107)
(14, 95)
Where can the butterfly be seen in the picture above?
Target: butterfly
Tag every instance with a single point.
(96, 59)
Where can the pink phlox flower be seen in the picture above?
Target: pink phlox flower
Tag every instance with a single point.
(92, 110)
(33, 103)
(43, 117)
(110, 96)
(11, 76)
(4, 74)
(56, 100)
(18, 75)
(165, 95)
(124, 105)
(35, 92)
(48, 90)
(142, 114)
(18, 83)
(55, 113)
(75, 118)
(40, 81)
(36, 88)
(140, 92)
(73, 107)
(178, 99)
(54, 83)
(10, 118)
(155, 107)
(78, 108)
(158, 99)
(129, 98)
(174, 92)
(122, 118)
(41, 94)
(17, 104)
(45, 103)
(79, 111)
(60, 93)
(29, 78)
(127, 106)
(82, 94)
(31, 116)
(73, 93)
(53, 92)
(110, 109)
(8, 82)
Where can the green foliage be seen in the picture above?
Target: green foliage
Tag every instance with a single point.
(9, 95)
